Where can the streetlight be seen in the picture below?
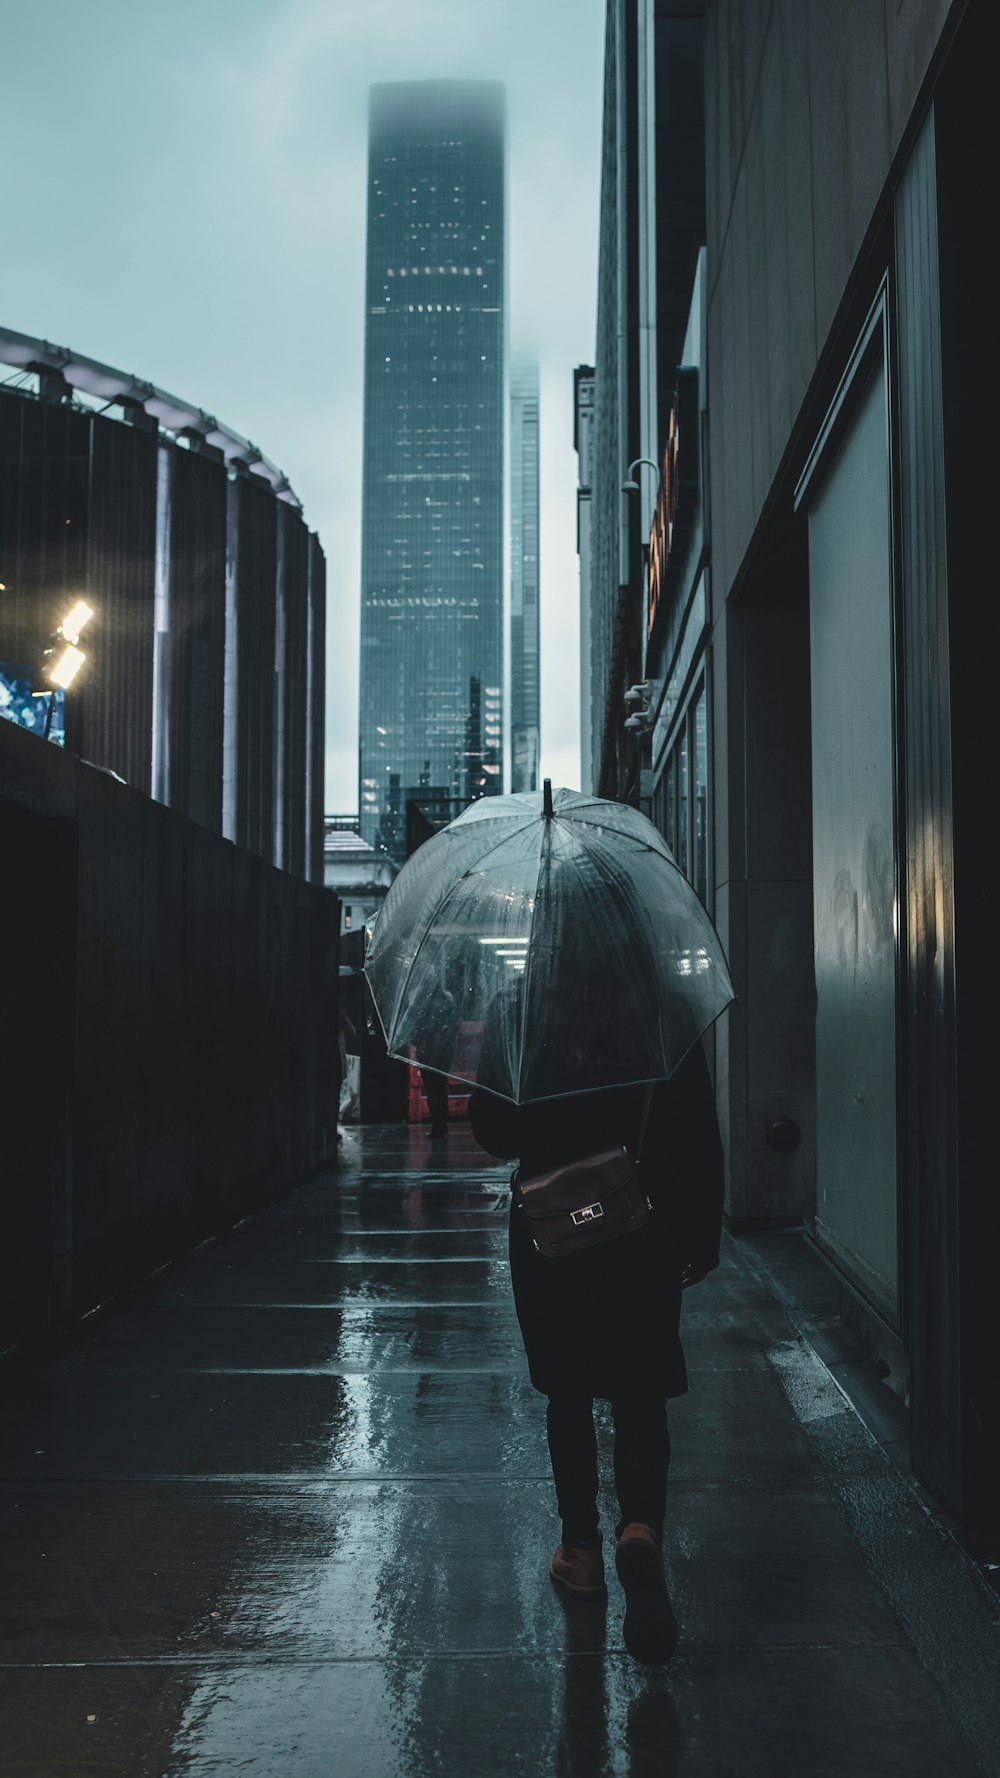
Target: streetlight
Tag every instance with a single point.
(62, 658)
(640, 715)
(632, 487)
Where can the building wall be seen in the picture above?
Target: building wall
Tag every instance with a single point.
(841, 350)
(316, 715)
(44, 452)
(185, 693)
(251, 631)
(822, 95)
(626, 415)
(181, 1071)
(192, 694)
(805, 107)
(524, 566)
(615, 423)
(358, 874)
(843, 148)
(432, 570)
(951, 924)
(112, 712)
(291, 669)
(78, 515)
(583, 427)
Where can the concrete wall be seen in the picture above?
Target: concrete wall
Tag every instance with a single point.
(809, 113)
(765, 1051)
(169, 1034)
(806, 106)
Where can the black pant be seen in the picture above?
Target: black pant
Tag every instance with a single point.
(436, 1094)
(641, 1458)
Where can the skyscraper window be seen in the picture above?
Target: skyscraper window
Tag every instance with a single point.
(431, 717)
(524, 526)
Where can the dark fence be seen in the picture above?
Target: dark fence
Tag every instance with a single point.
(169, 1053)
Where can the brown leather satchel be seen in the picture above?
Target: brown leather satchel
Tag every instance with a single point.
(587, 1201)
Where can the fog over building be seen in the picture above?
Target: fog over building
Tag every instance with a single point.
(432, 556)
(524, 520)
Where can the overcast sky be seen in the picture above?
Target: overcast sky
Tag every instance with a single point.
(184, 197)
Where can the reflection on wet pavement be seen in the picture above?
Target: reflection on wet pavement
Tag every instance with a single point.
(288, 1514)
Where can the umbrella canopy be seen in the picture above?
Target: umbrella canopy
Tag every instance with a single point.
(546, 943)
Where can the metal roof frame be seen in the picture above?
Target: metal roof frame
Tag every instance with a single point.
(23, 352)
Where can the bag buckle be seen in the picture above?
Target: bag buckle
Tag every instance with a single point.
(589, 1213)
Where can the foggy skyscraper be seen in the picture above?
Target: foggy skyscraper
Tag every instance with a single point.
(431, 711)
(524, 732)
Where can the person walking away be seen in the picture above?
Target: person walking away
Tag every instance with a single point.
(347, 1101)
(436, 1093)
(604, 1323)
(438, 1015)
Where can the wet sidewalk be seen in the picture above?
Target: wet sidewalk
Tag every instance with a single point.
(288, 1514)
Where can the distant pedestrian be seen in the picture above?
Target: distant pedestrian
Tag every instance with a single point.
(437, 1023)
(347, 1094)
(604, 1323)
(436, 1093)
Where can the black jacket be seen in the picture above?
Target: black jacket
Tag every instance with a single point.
(606, 1320)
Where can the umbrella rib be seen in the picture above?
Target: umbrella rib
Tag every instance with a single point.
(446, 897)
(632, 839)
(602, 844)
(529, 960)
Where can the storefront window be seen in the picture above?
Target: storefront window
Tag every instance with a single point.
(680, 801)
(658, 811)
(681, 849)
(699, 728)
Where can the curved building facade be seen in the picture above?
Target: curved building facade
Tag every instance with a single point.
(204, 677)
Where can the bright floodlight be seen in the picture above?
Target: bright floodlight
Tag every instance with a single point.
(64, 670)
(76, 620)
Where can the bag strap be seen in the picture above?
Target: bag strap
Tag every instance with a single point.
(647, 1106)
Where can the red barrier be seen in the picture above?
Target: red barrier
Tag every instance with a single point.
(466, 1049)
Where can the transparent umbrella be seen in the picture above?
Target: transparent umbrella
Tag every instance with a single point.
(542, 944)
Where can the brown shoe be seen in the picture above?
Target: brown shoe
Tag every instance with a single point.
(579, 1567)
(650, 1627)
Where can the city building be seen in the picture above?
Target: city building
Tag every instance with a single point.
(360, 875)
(788, 539)
(524, 568)
(432, 553)
(203, 678)
(583, 429)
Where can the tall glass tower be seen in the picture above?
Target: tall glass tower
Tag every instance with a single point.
(524, 731)
(432, 558)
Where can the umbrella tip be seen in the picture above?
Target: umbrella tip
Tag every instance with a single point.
(547, 799)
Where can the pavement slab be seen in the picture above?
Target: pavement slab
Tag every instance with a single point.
(287, 1512)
